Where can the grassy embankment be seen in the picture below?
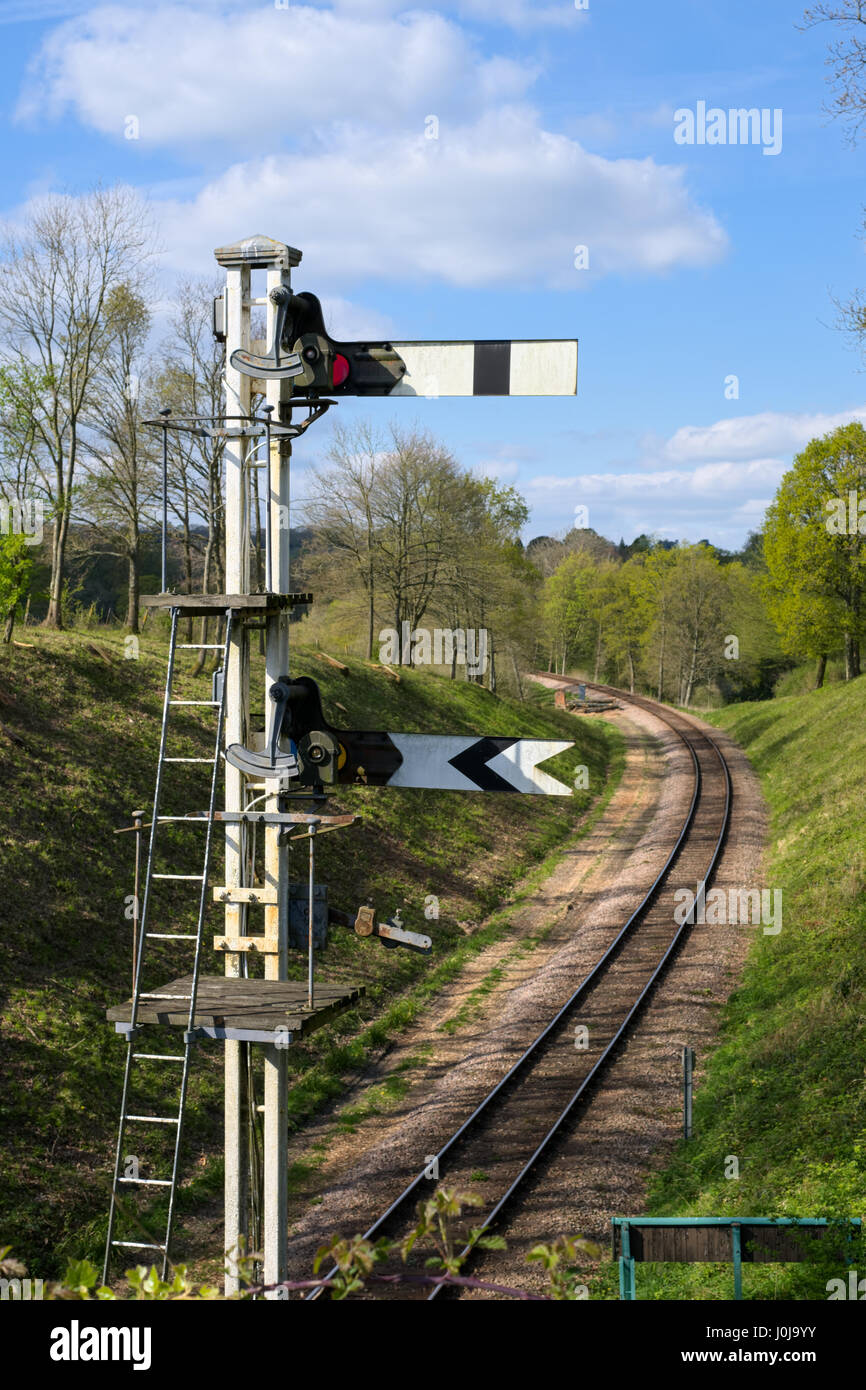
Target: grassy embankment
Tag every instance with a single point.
(785, 1091)
(78, 743)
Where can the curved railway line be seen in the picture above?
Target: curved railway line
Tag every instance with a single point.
(516, 1125)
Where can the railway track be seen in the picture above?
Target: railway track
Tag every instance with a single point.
(515, 1127)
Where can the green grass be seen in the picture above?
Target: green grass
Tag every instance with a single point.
(78, 744)
(786, 1088)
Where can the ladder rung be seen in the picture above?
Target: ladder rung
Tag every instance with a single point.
(196, 702)
(201, 646)
(165, 996)
(148, 1182)
(154, 1119)
(157, 1057)
(182, 878)
(138, 1244)
(187, 760)
(170, 936)
(197, 820)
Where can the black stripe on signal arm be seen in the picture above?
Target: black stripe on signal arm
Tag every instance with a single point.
(492, 376)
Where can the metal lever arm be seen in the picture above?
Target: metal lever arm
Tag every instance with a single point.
(272, 765)
(389, 933)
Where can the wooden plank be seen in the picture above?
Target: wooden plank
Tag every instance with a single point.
(202, 605)
(332, 661)
(261, 945)
(231, 1002)
(262, 894)
(711, 1244)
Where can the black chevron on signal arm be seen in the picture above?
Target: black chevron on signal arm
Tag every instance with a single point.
(472, 763)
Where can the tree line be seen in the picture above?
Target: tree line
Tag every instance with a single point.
(672, 618)
(397, 533)
(78, 376)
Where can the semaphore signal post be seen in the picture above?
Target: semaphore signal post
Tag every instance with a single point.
(272, 785)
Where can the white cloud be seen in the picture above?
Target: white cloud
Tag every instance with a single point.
(713, 481)
(351, 322)
(498, 201)
(523, 14)
(499, 470)
(703, 483)
(745, 436)
(347, 171)
(516, 14)
(718, 501)
(171, 67)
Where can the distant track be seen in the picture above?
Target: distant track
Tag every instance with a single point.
(517, 1123)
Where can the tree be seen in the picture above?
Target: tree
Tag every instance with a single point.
(341, 506)
(191, 383)
(16, 561)
(628, 618)
(654, 585)
(846, 58)
(393, 510)
(567, 608)
(55, 278)
(697, 604)
(120, 491)
(21, 494)
(816, 552)
(418, 500)
(485, 577)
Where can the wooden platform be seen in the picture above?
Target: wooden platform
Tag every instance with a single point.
(243, 1010)
(205, 605)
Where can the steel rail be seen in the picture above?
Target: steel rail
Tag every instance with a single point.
(635, 1009)
(590, 980)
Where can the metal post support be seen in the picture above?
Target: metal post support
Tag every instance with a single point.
(269, 574)
(276, 1185)
(626, 1267)
(276, 1156)
(311, 915)
(165, 414)
(138, 821)
(737, 1255)
(688, 1090)
(237, 703)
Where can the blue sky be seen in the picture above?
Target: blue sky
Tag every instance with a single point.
(308, 122)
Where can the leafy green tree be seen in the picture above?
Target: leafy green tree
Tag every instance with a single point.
(628, 618)
(816, 552)
(16, 563)
(699, 599)
(567, 609)
(653, 583)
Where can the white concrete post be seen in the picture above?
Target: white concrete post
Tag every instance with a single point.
(237, 314)
(276, 856)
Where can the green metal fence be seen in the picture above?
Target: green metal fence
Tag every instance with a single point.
(707, 1239)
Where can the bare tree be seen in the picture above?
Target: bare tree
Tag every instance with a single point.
(120, 491)
(846, 57)
(191, 383)
(418, 522)
(56, 274)
(340, 506)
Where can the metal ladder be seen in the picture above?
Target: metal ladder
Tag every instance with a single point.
(134, 1027)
